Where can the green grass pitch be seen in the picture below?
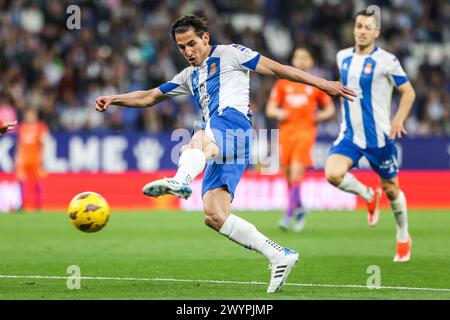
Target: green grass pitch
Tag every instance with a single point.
(173, 255)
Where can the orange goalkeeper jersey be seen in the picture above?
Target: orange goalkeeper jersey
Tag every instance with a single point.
(30, 136)
(301, 102)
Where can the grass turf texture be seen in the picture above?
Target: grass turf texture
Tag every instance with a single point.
(336, 248)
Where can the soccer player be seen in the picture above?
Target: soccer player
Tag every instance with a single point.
(32, 135)
(218, 78)
(366, 126)
(295, 106)
(7, 127)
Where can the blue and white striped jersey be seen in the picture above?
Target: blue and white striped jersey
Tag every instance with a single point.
(223, 80)
(366, 120)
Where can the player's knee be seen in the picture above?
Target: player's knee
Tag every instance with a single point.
(295, 176)
(211, 151)
(209, 220)
(390, 190)
(213, 217)
(213, 220)
(334, 177)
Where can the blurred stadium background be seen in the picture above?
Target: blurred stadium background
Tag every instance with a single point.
(126, 45)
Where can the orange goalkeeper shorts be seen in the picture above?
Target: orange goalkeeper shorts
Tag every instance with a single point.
(296, 150)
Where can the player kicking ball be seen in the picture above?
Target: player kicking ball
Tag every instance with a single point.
(366, 126)
(218, 78)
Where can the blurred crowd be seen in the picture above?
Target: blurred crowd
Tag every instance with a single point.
(125, 45)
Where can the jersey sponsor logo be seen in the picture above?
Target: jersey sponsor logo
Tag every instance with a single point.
(243, 49)
(195, 81)
(389, 165)
(297, 100)
(204, 98)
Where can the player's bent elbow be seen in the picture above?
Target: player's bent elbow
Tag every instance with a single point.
(390, 189)
(413, 93)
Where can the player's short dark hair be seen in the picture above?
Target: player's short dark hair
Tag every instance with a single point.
(365, 13)
(368, 13)
(188, 22)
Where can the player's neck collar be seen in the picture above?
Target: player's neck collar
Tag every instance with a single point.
(213, 47)
(373, 51)
(207, 57)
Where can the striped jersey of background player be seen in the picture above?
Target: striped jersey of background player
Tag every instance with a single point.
(366, 125)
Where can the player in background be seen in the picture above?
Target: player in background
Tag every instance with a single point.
(295, 106)
(218, 78)
(366, 125)
(7, 127)
(32, 136)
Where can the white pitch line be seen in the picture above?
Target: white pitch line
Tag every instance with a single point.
(4, 276)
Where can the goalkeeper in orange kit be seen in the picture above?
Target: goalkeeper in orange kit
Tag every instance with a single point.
(296, 107)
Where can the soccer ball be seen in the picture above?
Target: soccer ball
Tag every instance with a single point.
(88, 211)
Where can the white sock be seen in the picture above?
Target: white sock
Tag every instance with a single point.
(351, 184)
(400, 210)
(191, 164)
(246, 234)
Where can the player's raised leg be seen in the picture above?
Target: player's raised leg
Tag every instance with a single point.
(336, 172)
(217, 204)
(399, 208)
(192, 162)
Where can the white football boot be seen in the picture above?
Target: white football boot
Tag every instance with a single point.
(284, 224)
(167, 186)
(281, 269)
(300, 219)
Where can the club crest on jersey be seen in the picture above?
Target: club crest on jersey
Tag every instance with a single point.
(368, 68)
(213, 69)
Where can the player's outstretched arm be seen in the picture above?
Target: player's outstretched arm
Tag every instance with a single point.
(406, 101)
(270, 67)
(135, 99)
(4, 128)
